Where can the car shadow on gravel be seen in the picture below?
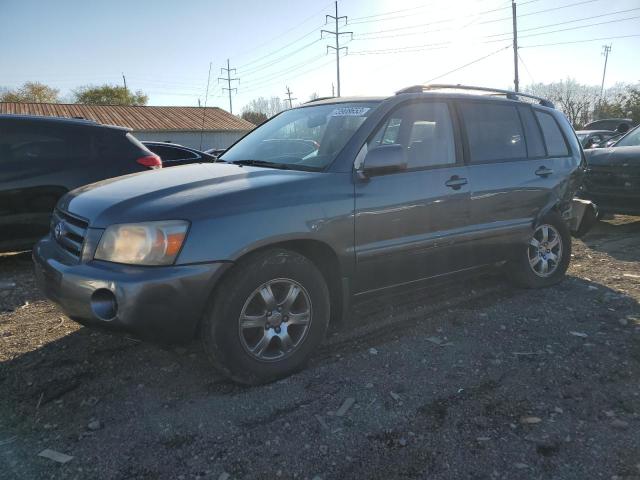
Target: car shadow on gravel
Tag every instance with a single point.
(619, 237)
(438, 373)
(17, 283)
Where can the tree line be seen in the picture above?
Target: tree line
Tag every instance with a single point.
(36, 92)
(584, 103)
(580, 103)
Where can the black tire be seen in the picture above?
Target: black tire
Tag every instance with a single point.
(520, 270)
(222, 338)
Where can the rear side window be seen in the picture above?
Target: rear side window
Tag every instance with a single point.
(118, 145)
(42, 142)
(424, 130)
(171, 153)
(535, 145)
(494, 132)
(556, 146)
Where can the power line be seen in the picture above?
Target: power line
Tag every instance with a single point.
(277, 60)
(468, 64)
(336, 34)
(408, 49)
(283, 72)
(358, 20)
(262, 85)
(570, 28)
(580, 41)
(567, 22)
(541, 11)
(526, 68)
(280, 35)
(229, 80)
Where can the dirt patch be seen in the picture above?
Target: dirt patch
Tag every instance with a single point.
(471, 379)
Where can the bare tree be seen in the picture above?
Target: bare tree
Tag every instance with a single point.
(268, 106)
(577, 101)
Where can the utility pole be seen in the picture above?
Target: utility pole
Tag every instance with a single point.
(605, 51)
(337, 34)
(516, 79)
(204, 110)
(228, 79)
(289, 93)
(124, 79)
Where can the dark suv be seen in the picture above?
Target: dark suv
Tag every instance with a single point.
(257, 253)
(42, 158)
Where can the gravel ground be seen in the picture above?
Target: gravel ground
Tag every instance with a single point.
(472, 379)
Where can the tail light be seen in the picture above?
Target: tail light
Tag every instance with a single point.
(150, 161)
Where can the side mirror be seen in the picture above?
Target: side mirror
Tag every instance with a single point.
(384, 159)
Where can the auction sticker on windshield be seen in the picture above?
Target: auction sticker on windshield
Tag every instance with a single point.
(350, 111)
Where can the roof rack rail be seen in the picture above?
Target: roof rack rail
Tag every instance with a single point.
(511, 95)
(318, 99)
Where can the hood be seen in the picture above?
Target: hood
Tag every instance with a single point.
(613, 156)
(178, 193)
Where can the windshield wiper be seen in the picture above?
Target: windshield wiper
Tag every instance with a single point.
(281, 166)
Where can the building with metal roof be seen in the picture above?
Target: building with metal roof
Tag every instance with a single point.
(184, 125)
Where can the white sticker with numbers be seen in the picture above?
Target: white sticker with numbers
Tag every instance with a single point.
(350, 111)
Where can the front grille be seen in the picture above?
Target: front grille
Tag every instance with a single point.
(69, 232)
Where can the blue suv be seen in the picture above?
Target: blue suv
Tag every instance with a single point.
(255, 254)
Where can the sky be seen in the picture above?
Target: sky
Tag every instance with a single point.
(164, 48)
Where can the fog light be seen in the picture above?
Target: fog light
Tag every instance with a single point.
(104, 304)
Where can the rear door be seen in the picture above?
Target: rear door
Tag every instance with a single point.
(39, 162)
(408, 223)
(513, 174)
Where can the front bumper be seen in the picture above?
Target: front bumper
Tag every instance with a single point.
(158, 303)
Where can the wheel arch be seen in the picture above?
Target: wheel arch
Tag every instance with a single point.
(324, 258)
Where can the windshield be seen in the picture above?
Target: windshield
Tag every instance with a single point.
(307, 138)
(631, 139)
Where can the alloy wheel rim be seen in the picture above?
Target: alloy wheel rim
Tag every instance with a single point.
(545, 250)
(275, 320)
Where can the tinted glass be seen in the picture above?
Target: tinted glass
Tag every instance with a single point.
(29, 142)
(631, 139)
(535, 146)
(424, 130)
(171, 153)
(556, 146)
(302, 138)
(494, 132)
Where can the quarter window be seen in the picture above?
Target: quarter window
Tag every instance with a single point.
(556, 146)
(424, 130)
(494, 132)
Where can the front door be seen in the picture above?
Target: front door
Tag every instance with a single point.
(408, 224)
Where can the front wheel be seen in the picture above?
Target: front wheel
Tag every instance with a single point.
(267, 317)
(544, 260)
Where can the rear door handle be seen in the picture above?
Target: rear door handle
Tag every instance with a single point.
(456, 182)
(544, 172)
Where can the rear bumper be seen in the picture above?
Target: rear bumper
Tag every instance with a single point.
(584, 215)
(158, 303)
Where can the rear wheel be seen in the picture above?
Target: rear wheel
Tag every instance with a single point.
(267, 317)
(545, 259)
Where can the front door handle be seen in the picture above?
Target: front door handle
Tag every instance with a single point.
(544, 172)
(456, 182)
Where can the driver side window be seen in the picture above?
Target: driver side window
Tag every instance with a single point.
(425, 132)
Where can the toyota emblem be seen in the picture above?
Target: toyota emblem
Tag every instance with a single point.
(58, 230)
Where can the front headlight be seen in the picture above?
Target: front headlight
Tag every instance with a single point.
(149, 243)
